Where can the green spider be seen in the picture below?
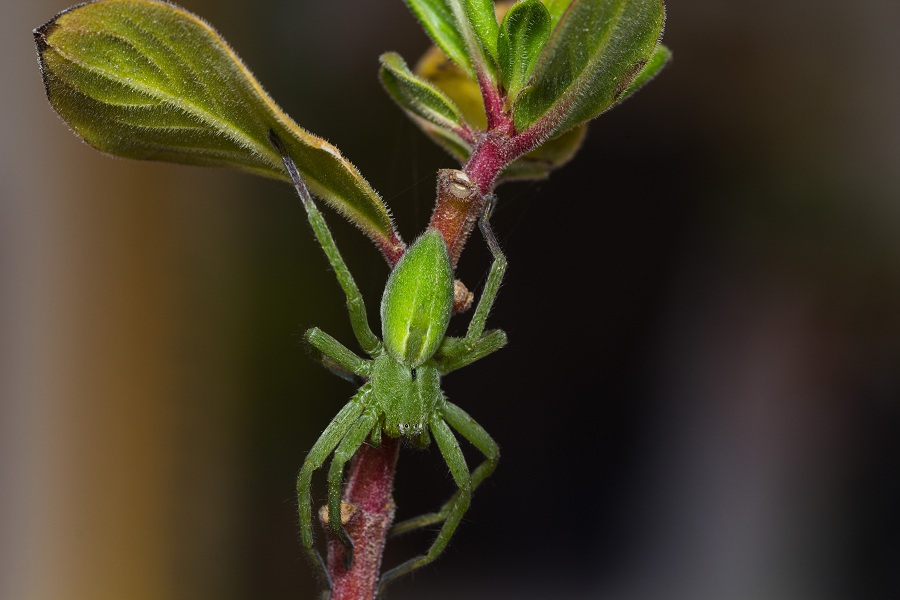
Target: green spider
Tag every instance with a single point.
(401, 395)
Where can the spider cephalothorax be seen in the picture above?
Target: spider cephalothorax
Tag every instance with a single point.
(401, 394)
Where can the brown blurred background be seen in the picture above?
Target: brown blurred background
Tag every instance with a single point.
(701, 396)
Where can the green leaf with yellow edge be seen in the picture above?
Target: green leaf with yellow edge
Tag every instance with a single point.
(659, 59)
(438, 70)
(419, 97)
(523, 33)
(594, 53)
(145, 79)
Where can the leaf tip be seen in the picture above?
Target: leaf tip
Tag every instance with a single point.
(40, 36)
(41, 42)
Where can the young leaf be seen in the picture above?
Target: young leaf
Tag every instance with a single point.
(466, 30)
(657, 61)
(556, 8)
(483, 21)
(145, 79)
(593, 54)
(523, 33)
(418, 97)
(438, 70)
(440, 24)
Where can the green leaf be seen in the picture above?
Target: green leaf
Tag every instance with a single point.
(417, 96)
(659, 59)
(435, 68)
(483, 21)
(556, 8)
(523, 33)
(596, 50)
(466, 30)
(439, 71)
(438, 20)
(145, 79)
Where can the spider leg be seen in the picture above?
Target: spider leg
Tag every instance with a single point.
(456, 353)
(355, 438)
(355, 303)
(478, 437)
(337, 352)
(407, 525)
(324, 446)
(453, 456)
(495, 276)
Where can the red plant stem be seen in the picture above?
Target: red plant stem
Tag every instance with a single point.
(497, 119)
(369, 490)
(453, 212)
(455, 218)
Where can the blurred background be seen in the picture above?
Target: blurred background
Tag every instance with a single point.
(701, 395)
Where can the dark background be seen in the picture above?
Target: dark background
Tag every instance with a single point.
(700, 395)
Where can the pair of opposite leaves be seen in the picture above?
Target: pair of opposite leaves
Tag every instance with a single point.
(146, 79)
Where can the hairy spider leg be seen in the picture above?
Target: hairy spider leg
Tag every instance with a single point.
(456, 353)
(475, 435)
(478, 437)
(355, 438)
(338, 353)
(355, 304)
(453, 456)
(367, 340)
(457, 506)
(498, 269)
(334, 433)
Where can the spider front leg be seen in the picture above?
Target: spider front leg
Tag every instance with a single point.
(355, 438)
(336, 431)
(355, 304)
(453, 456)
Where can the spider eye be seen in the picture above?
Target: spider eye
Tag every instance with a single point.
(414, 374)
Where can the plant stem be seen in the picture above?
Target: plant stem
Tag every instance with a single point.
(455, 217)
(369, 490)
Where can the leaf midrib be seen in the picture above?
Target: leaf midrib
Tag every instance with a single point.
(226, 127)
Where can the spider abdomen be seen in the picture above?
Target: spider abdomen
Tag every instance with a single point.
(418, 301)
